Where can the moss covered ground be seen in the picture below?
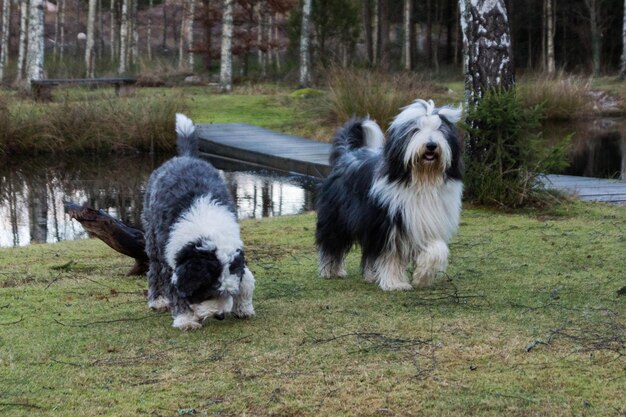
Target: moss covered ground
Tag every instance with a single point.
(528, 321)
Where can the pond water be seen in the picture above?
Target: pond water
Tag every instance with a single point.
(32, 193)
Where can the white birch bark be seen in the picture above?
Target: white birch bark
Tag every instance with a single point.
(623, 63)
(91, 41)
(149, 30)
(488, 60)
(35, 51)
(190, 20)
(21, 54)
(124, 38)
(226, 63)
(62, 29)
(305, 40)
(408, 11)
(276, 43)
(4, 43)
(551, 65)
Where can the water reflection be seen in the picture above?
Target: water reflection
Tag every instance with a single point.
(598, 147)
(32, 193)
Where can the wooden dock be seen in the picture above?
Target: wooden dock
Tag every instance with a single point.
(261, 147)
(258, 147)
(589, 189)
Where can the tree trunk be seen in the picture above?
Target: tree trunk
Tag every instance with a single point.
(429, 31)
(622, 72)
(4, 43)
(226, 62)
(35, 52)
(100, 30)
(190, 21)
(488, 60)
(592, 6)
(149, 30)
(124, 35)
(21, 56)
(181, 38)
(367, 24)
(91, 41)
(113, 29)
(134, 32)
(551, 66)
(305, 38)
(259, 37)
(383, 34)
(408, 12)
(208, 39)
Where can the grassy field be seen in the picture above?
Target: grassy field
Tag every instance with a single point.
(527, 322)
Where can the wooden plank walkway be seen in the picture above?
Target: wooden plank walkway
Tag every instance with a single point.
(264, 148)
(589, 189)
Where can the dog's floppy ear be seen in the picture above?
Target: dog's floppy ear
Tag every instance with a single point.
(238, 264)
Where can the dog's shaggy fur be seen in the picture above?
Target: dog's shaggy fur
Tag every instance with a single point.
(400, 201)
(197, 265)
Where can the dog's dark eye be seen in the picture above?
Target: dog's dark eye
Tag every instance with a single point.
(238, 264)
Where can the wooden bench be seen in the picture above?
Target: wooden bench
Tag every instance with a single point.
(42, 89)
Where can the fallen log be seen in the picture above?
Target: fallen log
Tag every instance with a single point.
(119, 236)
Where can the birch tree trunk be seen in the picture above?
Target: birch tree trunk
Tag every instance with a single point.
(550, 64)
(4, 43)
(488, 63)
(124, 34)
(226, 63)
(305, 39)
(133, 22)
(91, 41)
(21, 55)
(181, 38)
(190, 23)
(149, 34)
(408, 12)
(100, 30)
(259, 36)
(35, 52)
(623, 63)
(113, 29)
(57, 21)
(62, 29)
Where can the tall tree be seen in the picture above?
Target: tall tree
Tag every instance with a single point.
(113, 29)
(488, 63)
(408, 38)
(91, 39)
(190, 21)
(383, 34)
(593, 9)
(35, 52)
(149, 30)
(61, 6)
(4, 43)
(367, 24)
(23, 41)
(124, 37)
(305, 40)
(226, 62)
(622, 72)
(550, 63)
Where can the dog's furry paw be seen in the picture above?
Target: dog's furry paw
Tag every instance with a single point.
(186, 322)
(160, 304)
(244, 313)
(400, 286)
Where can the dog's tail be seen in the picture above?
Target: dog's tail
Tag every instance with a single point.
(186, 136)
(357, 133)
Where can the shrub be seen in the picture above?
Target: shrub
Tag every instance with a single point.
(505, 155)
(380, 95)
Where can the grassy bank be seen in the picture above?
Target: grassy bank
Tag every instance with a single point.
(527, 322)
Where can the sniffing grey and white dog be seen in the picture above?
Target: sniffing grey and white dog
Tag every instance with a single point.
(197, 265)
(400, 201)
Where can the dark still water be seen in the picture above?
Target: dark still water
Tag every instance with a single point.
(32, 193)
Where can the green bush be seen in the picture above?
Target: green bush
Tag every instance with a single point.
(505, 155)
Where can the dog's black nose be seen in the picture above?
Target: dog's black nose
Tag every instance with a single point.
(219, 316)
(431, 146)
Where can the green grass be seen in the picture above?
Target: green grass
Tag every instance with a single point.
(76, 337)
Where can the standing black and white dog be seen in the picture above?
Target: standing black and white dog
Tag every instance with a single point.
(400, 201)
(197, 265)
